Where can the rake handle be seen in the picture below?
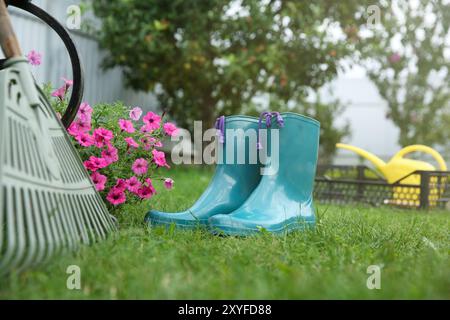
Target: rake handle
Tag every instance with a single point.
(8, 39)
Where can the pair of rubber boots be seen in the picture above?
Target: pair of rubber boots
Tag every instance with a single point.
(273, 193)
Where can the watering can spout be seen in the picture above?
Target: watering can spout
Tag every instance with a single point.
(377, 162)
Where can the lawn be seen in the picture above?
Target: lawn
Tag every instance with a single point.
(328, 262)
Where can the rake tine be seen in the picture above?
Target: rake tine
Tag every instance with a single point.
(9, 227)
(55, 218)
(32, 160)
(51, 240)
(22, 150)
(49, 213)
(2, 222)
(85, 204)
(13, 235)
(70, 223)
(37, 221)
(20, 228)
(93, 213)
(103, 214)
(85, 226)
(61, 221)
(98, 215)
(38, 159)
(79, 219)
(66, 161)
(30, 235)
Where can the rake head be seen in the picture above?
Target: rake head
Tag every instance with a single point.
(47, 201)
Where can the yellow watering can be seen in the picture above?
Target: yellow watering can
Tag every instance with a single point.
(399, 167)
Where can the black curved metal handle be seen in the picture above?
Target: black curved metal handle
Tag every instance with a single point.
(78, 81)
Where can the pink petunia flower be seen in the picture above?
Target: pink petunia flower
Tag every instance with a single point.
(133, 185)
(126, 125)
(83, 126)
(140, 166)
(159, 158)
(68, 83)
(155, 142)
(59, 93)
(152, 121)
(135, 113)
(99, 162)
(121, 185)
(34, 58)
(170, 129)
(99, 180)
(90, 166)
(145, 129)
(110, 154)
(149, 142)
(85, 112)
(102, 137)
(168, 183)
(116, 197)
(147, 190)
(73, 129)
(94, 163)
(130, 141)
(84, 139)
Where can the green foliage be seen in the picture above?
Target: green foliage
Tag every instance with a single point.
(329, 262)
(213, 57)
(407, 57)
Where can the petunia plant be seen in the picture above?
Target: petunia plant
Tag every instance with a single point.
(119, 147)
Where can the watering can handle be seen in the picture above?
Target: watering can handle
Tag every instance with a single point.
(425, 149)
(11, 41)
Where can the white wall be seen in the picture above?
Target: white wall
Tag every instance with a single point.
(366, 113)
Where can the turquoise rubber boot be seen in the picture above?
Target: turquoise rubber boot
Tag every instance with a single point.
(231, 184)
(282, 202)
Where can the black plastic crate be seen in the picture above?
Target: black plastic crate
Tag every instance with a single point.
(360, 184)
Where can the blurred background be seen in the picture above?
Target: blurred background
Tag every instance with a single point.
(375, 73)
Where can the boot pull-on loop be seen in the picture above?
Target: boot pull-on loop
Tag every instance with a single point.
(220, 126)
(279, 118)
(268, 115)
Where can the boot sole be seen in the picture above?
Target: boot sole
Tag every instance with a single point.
(286, 228)
(178, 224)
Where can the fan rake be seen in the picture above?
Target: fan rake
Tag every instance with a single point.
(48, 203)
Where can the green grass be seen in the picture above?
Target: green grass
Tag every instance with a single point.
(328, 262)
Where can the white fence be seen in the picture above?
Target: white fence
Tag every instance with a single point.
(100, 86)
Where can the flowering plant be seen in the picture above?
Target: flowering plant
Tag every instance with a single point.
(119, 147)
